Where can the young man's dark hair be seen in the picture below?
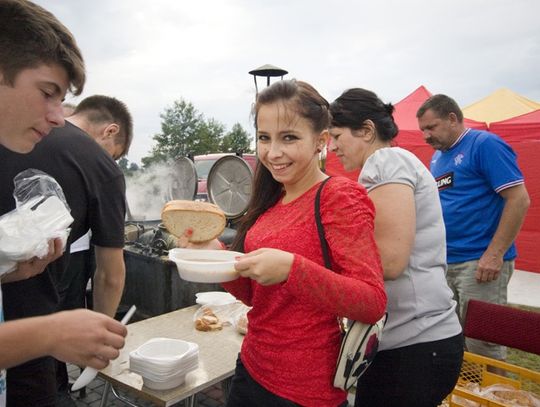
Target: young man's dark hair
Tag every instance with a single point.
(100, 109)
(31, 36)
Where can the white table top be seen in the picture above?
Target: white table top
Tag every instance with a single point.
(218, 351)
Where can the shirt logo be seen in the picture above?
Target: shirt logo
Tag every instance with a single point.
(458, 159)
(445, 181)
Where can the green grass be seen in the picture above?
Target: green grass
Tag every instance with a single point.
(524, 359)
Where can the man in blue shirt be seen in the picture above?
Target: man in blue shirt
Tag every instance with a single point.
(484, 203)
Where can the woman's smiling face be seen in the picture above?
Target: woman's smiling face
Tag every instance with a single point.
(287, 145)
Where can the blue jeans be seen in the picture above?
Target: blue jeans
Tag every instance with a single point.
(246, 392)
(419, 375)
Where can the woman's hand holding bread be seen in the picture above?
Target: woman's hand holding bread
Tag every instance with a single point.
(195, 224)
(183, 242)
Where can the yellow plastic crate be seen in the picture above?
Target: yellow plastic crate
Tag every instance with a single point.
(475, 370)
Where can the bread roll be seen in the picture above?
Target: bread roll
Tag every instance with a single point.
(200, 325)
(205, 219)
(208, 322)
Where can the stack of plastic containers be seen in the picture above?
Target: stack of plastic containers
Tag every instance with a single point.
(163, 363)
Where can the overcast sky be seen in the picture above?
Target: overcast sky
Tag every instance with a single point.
(151, 53)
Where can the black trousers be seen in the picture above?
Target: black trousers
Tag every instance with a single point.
(32, 384)
(246, 392)
(72, 286)
(420, 375)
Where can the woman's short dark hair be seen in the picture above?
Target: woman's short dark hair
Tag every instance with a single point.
(357, 105)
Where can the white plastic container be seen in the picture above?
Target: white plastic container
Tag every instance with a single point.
(170, 383)
(205, 266)
(214, 298)
(165, 349)
(164, 363)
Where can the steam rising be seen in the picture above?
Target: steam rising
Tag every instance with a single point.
(148, 190)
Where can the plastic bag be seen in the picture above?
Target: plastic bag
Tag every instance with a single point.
(41, 214)
(508, 395)
(240, 321)
(228, 314)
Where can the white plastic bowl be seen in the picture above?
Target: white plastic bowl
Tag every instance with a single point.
(170, 383)
(165, 349)
(214, 298)
(164, 362)
(205, 266)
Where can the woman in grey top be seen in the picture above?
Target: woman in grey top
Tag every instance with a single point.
(422, 345)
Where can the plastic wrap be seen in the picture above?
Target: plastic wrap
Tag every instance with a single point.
(234, 314)
(41, 214)
(506, 394)
(501, 393)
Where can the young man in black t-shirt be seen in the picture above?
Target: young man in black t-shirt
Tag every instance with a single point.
(39, 63)
(94, 188)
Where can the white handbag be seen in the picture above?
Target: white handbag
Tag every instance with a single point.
(358, 349)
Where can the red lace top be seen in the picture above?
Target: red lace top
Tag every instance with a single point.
(293, 339)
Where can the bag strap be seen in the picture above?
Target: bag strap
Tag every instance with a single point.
(320, 229)
(324, 243)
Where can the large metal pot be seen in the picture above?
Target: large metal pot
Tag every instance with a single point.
(229, 185)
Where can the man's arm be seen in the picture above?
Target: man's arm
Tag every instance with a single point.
(516, 203)
(82, 337)
(109, 279)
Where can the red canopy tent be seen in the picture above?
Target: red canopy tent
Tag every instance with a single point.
(525, 127)
(523, 134)
(410, 137)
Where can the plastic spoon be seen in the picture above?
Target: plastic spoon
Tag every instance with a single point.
(89, 373)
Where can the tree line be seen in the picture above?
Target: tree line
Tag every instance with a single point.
(187, 132)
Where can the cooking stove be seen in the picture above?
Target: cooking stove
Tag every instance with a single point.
(152, 280)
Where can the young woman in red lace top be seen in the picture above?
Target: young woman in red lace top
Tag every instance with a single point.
(290, 351)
